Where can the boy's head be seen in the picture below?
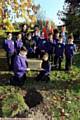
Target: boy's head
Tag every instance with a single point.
(45, 57)
(70, 39)
(19, 36)
(10, 36)
(23, 51)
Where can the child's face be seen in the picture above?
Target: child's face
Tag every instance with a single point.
(42, 34)
(29, 37)
(19, 36)
(25, 27)
(51, 37)
(10, 36)
(57, 35)
(45, 58)
(60, 40)
(23, 53)
(70, 40)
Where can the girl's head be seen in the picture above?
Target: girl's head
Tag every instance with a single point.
(70, 39)
(45, 57)
(23, 51)
(10, 36)
(19, 37)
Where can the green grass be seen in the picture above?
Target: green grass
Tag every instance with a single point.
(61, 95)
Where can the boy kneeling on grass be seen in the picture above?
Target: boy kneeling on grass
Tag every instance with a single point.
(46, 68)
(20, 67)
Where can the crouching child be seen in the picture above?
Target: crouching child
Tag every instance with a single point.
(46, 68)
(20, 68)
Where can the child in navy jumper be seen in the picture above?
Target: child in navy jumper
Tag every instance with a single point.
(44, 74)
(70, 48)
(50, 47)
(42, 45)
(59, 50)
(9, 48)
(55, 37)
(18, 43)
(30, 45)
(20, 68)
(24, 31)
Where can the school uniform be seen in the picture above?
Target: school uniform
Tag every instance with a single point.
(55, 41)
(24, 36)
(36, 39)
(9, 48)
(18, 45)
(58, 55)
(31, 45)
(69, 53)
(50, 49)
(46, 66)
(42, 46)
(20, 67)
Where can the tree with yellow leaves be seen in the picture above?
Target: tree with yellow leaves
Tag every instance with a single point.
(11, 10)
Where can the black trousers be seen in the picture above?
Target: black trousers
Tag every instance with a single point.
(10, 60)
(69, 61)
(16, 81)
(43, 77)
(58, 61)
(51, 57)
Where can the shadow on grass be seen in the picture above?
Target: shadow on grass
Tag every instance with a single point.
(42, 85)
(3, 64)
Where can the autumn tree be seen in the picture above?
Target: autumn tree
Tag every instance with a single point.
(13, 10)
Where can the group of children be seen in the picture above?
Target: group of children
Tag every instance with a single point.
(35, 45)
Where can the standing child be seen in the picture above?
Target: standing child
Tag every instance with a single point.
(59, 50)
(9, 48)
(18, 43)
(50, 47)
(20, 68)
(44, 74)
(70, 48)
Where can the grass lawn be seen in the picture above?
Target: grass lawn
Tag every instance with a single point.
(59, 98)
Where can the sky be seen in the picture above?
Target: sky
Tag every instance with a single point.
(51, 7)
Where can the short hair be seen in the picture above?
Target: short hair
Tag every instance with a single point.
(23, 48)
(56, 31)
(46, 54)
(70, 37)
